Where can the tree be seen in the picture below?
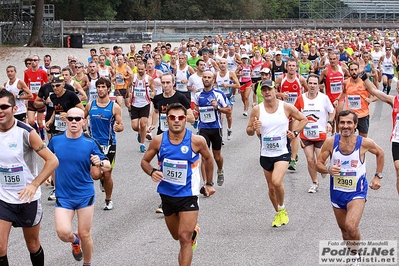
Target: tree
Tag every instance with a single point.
(37, 28)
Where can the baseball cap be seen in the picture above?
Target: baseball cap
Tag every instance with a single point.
(265, 70)
(244, 56)
(268, 83)
(57, 79)
(330, 47)
(278, 52)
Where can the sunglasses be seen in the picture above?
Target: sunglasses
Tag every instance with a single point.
(55, 73)
(35, 60)
(28, 64)
(78, 66)
(5, 106)
(55, 85)
(179, 117)
(73, 61)
(76, 118)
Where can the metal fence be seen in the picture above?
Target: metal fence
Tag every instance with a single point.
(96, 32)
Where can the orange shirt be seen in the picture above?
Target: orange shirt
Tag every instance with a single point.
(356, 95)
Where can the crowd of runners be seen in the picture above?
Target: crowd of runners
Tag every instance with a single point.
(299, 89)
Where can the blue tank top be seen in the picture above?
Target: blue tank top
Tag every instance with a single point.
(180, 167)
(102, 123)
(343, 57)
(352, 177)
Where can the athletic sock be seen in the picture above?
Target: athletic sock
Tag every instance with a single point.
(4, 261)
(388, 89)
(76, 239)
(281, 207)
(37, 258)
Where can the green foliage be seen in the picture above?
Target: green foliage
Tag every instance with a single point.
(174, 10)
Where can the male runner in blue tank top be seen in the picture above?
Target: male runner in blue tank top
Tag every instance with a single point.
(105, 120)
(178, 175)
(348, 183)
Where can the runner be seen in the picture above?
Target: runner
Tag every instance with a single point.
(20, 198)
(269, 120)
(210, 103)
(317, 108)
(105, 120)
(35, 78)
(347, 170)
(75, 185)
(20, 91)
(178, 151)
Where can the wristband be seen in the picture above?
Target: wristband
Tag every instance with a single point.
(153, 170)
(330, 122)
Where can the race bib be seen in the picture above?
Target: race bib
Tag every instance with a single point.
(120, 79)
(256, 73)
(230, 66)
(277, 74)
(354, 102)
(272, 143)
(246, 73)
(311, 132)
(336, 87)
(305, 75)
(175, 171)
(207, 114)
(346, 181)
(225, 90)
(59, 124)
(180, 86)
(292, 96)
(34, 87)
(139, 92)
(93, 95)
(388, 67)
(162, 122)
(12, 177)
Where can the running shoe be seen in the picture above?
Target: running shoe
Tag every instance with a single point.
(102, 185)
(222, 142)
(313, 188)
(109, 205)
(77, 250)
(52, 197)
(220, 177)
(148, 136)
(159, 209)
(276, 222)
(194, 237)
(296, 157)
(245, 114)
(284, 216)
(229, 132)
(142, 148)
(292, 165)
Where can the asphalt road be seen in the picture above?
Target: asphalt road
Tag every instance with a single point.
(235, 222)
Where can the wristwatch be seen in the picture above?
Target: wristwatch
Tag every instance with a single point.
(209, 184)
(296, 133)
(101, 163)
(379, 175)
(18, 97)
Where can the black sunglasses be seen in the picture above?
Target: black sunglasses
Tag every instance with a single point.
(76, 118)
(5, 106)
(78, 66)
(55, 85)
(55, 73)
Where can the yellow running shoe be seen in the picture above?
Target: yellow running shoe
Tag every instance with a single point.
(194, 237)
(284, 216)
(277, 220)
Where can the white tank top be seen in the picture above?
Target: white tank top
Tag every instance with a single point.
(92, 88)
(18, 163)
(231, 64)
(387, 66)
(273, 131)
(104, 72)
(181, 75)
(140, 95)
(225, 79)
(14, 89)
